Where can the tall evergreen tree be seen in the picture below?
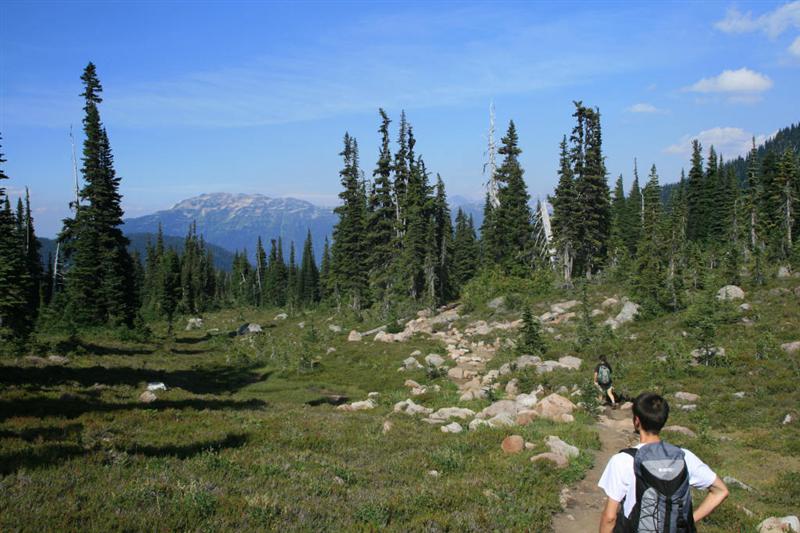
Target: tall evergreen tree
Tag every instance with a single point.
(33, 261)
(697, 226)
(383, 217)
(443, 242)
(349, 254)
(634, 213)
(261, 272)
(15, 320)
(100, 285)
(308, 277)
(650, 272)
(466, 253)
(513, 215)
(325, 271)
(170, 289)
(565, 213)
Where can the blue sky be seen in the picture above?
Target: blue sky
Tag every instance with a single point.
(256, 96)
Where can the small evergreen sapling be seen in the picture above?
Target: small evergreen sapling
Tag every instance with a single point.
(530, 340)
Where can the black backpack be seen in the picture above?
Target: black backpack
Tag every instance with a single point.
(663, 495)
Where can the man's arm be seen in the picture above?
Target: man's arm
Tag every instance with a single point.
(609, 516)
(717, 493)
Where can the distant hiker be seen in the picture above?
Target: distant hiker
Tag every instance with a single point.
(602, 380)
(648, 487)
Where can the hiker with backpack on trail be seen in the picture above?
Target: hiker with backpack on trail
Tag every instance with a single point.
(649, 486)
(602, 380)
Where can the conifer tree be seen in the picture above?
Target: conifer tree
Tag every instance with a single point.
(33, 261)
(276, 275)
(530, 341)
(565, 213)
(697, 225)
(325, 271)
(170, 286)
(15, 321)
(465, 251)
(489, 253)
(349, 254)
(261, 272)
(513, 215)
(617, 249)
(292, 279)
(382, 219)
(634, 213)
(100, 286)
(308, 277)
(417, 216)
(443, 241)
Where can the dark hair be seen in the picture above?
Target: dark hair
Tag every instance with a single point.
(602, 358)
(652, 411)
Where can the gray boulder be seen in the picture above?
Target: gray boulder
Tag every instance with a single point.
(730, 292)
(434, 360)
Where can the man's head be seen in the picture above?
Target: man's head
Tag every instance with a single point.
(652, 412)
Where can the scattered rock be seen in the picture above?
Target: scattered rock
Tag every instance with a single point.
(354, 336)
(596, 312)
(249, 328)
(609, 302)
(452, 427)
(501, 420)
(739, 395)
(563, 307)
(555, 407)
(526, 416)
(281, 316)
(791, 347)
(714, 351)
(570, 362)
(526, 401)
(415, 353)
(411, 384)
(779, 291)
(435, 360)
(338, 480)
(686, 396)
(560, 447)
(784, 272)
(513, 444)
(732, 481)
(773, 524)
(58, 359)
(330, 350)
(745, 307)
(409, 363)
(374, 395)
(689, 407)
(680, 429)
(729, 293)
(788, 419)
(363, 405)
(446, 413)
(627, 406)
(194, 323)
(476, 423)
(147, 397)
(559, 460)
(156, 386)
(334, 328)
(35, 360)
(433, 473)
(508, 407)
(410, 408)
(387, 426)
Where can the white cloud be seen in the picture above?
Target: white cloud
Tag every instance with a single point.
(743, 80)
(644, 108)
(773, 23)
(794, 48)
(730, 142)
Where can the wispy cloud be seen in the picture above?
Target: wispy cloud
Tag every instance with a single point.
(742, 80)
(728, 141)
(355, 71)
(645, 108)
(772, 23)
(794, 48)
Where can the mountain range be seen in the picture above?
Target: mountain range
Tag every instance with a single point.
(235, 221)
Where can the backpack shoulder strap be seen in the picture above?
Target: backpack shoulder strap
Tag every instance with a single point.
(630, 451)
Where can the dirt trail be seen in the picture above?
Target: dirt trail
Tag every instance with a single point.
(585, 500)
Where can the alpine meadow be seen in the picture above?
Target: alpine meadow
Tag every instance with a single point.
(375, 305)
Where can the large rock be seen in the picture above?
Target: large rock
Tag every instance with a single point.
(784, 272)
(686, 396)
(508, 407)
(609, 302)
(730, 292)
(773, 524)
(680, 429)
(281, 316)
(560, 447)
(434, 360)
(513, 444)
(58, 359)
(409, 363)
(147, 397)
(410, 408)
(502, 420)
(476, 423)
(363, 405)
(524, 361)
(354, 336)
(526, 401)
(628, 312)
(249, 328)
(194, 323)
(791, 347)
(570, 362)
(559, 460)
(452, 427)
(446, 413)
(526, 416)
(563, 307)
(334, 328)
(555, 407)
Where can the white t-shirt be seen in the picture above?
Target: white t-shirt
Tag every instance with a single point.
(619, 481)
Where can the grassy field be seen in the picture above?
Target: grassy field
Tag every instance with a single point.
(234, 443)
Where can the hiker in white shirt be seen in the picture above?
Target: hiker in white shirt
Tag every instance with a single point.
(650, 412)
